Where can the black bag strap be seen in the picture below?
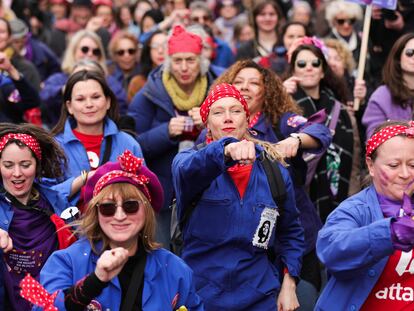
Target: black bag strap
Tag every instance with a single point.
(135, 289)
(275, 179)
(108, 149)
(29, 207)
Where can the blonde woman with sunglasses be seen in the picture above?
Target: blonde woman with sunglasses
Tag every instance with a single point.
(117, 265)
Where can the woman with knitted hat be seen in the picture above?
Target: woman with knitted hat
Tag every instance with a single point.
(367, 241)
(227, 183)
(117, 265)
(166, 111)
(30, 226)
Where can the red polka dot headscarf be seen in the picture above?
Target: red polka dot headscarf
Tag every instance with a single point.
(386, 133)
(221, 91)
(26, 139)
(127, 169)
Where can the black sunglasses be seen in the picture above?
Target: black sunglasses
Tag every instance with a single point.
(316, 63)
(96, 52)
(131, 51)
(197, 19)
(409, 52)
(109, 209)
(349, 21)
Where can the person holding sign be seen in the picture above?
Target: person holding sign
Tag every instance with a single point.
(367, 242)
(236, 224)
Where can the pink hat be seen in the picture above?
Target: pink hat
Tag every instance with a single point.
(182, 41)
(128, 169)
(221, 91)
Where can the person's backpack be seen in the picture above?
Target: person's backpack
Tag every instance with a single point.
(277, 187)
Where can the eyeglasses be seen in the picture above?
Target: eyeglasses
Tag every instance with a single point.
(198, 19)
(109, 209)
(131, 51)
(342, 21)
(157, 46)
(96, 52)
(316, 63)
(409, 52)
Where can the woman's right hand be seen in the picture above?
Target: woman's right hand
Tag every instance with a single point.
(6, 243)
(176, 126)
(111, 263)
(291, 84)
(242, 151)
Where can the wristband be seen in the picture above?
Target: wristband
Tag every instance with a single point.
(297, 136)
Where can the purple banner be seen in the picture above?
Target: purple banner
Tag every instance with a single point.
(386, 4)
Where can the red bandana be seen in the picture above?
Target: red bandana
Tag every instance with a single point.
(26, 139)
(387, 133)
(221, 91)
(182, 41)
(34, 292)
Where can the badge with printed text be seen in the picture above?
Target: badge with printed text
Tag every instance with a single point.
(265, 228)
(295, 121)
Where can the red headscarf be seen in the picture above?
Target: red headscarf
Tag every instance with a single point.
(182, 41)
(386, 133)
(26, 139)
(221, 91)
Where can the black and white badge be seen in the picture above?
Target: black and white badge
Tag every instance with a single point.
(265, 228)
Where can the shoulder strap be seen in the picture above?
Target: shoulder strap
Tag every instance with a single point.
(135, 286)
(275, 179)
(335, 115)
(108, 149)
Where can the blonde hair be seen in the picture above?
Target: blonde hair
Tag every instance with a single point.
(68, 61)
(343, 53)
(340, 6)
(269, 148)
(89, 226)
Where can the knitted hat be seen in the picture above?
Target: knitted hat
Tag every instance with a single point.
(221, 91)
(182, 41)
(128, 169)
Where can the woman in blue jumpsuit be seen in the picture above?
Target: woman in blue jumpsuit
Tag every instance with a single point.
(232, 270)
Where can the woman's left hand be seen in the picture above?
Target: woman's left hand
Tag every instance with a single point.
(287, 300)
(360, 89)
(194, 113)
(288, 147)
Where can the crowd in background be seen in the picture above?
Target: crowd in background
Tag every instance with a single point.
(93, 78)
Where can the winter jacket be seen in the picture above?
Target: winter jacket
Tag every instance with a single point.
(152, 109)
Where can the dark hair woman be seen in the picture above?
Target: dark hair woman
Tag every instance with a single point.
(394, 99)
(267, 16)
(152, 55)
(314, 87)
(87, 129)
(30, 226)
